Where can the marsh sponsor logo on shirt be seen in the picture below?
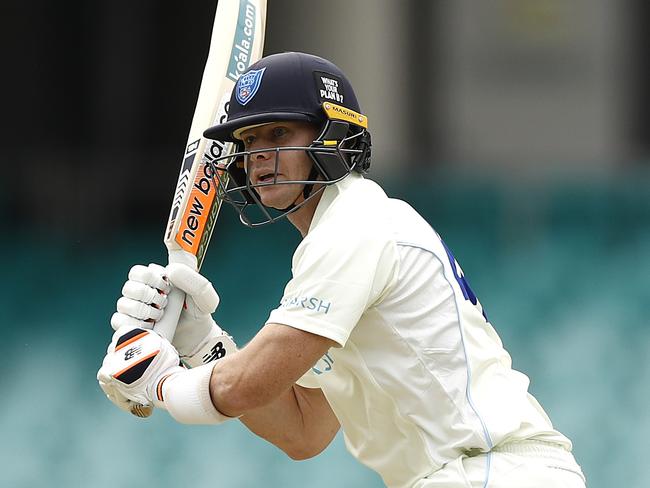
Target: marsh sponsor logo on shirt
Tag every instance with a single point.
(308, 303)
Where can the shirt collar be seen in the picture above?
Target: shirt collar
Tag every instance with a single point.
(330, 194)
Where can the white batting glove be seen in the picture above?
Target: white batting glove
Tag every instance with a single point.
(136, 364)
(198, 338)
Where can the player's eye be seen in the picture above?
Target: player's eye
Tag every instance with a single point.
(279, 131)
(248, 140)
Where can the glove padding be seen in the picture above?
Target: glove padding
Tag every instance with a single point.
(144, 297)
(136, 363)
(198, 338)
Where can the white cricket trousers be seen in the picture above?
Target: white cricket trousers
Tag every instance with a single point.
(523, 464)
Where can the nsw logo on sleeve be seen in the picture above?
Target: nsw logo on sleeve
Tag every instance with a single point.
(248, 84)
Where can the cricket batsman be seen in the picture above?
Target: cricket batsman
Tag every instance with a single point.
(378, 331)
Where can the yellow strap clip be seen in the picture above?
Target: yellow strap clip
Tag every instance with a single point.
(338, 112)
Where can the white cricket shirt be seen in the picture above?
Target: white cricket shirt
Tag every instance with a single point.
(421, 376)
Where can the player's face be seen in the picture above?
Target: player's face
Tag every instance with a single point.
(292, 165)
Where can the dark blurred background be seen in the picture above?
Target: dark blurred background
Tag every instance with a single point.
(518, 128)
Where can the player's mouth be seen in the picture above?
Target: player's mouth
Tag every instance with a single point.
(265, 178)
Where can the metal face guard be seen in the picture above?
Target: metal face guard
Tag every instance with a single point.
(234, 186)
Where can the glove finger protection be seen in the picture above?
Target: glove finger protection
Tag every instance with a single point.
(106, 384)
(138, 310)
(121, 401)
(144, 293)
(152, 275)
(136, 364)
(144, 297)
(119, 320)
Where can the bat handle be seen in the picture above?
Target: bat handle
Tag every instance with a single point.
(166, 326)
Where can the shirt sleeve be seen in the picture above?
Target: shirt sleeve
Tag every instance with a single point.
(308, 380)
(337, 276)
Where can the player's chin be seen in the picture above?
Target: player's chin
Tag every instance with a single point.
(279, 197)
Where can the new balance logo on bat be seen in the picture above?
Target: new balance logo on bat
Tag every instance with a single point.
(197, 209)
(196, 216)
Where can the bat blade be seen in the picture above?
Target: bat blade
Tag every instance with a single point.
(237, 42)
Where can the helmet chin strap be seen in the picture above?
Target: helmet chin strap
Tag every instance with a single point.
(307, 189)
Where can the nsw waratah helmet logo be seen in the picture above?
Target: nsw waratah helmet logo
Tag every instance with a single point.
(248, 84)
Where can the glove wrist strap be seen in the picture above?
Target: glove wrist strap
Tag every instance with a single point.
(186, 396)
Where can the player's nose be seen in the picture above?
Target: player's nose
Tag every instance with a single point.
(259, 150)
(263, 154)
(259, 156)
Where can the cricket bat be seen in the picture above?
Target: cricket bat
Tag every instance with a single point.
(237, 42)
